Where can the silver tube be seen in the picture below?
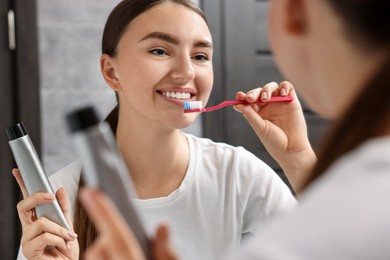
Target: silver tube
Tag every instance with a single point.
(104, 167)
(33, 175)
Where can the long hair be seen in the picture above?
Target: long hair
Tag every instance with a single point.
(366, 24)
(117, 22)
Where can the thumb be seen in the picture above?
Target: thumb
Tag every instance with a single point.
(254, 119)
(162, 249)
(64, 204)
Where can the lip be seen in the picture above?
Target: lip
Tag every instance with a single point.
(177, 102)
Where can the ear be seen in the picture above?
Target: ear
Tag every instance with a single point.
(296, 16)
(107, 67)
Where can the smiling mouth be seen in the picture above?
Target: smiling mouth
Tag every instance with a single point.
(176, 95)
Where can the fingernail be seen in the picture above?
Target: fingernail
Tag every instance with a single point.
(264, 95)
(48, 196)
(235, 108)
(283, 92)
(72, 235)
(250, 94)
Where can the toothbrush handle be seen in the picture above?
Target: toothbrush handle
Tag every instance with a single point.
(272, 100)
(239, 102)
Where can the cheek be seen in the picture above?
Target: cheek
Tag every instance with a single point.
(205, 78)
(136, 86)
(139, 76)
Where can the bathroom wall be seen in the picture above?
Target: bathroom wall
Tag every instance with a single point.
(69, 44)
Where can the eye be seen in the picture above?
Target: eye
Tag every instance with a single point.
(158, 52)
(201, 57)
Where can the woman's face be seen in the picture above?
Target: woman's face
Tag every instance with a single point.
(163, 59)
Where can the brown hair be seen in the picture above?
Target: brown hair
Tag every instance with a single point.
(117, 22)
(366, 24)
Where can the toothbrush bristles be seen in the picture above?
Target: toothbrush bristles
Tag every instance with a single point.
(193, 105)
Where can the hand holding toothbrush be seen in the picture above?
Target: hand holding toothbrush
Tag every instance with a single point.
(281, 127)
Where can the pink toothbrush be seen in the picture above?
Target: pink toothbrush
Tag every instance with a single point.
(196, 106)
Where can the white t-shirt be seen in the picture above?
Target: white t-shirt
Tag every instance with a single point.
(227, 192)
(343, 215)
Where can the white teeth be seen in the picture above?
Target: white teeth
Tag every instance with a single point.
(177, 95)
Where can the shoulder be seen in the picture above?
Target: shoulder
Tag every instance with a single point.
(372, 155)
(350, 196)
(368, 163)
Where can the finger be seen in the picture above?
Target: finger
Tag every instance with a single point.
(250, 96)
(96, 252)
(26, 206)
(162, 249)
(242, 108)
(286, 88)
(253, 95)
(109, 222)
(253, 118)
(100, 209)
(240, 95)
(44, 225)
(19, 180)
(64, 204)
(110, 249)
(40, 243)
(268, 90)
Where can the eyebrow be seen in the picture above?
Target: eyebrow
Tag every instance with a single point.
(174, 40)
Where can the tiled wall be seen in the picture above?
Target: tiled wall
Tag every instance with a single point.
(69, 43)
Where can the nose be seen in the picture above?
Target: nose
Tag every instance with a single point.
(183, 69)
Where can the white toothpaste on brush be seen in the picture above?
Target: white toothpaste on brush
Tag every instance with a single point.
(193, 105)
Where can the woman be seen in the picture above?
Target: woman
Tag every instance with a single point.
(154, 63)
(337, 52)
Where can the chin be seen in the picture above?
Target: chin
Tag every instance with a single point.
(185, 121)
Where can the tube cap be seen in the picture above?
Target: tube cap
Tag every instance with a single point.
(16, 131)
(82, 119)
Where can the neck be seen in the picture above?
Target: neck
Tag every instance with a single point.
(338, 65)
(157, 159)
(342, 74)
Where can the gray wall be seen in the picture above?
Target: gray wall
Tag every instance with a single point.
(69, 49)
